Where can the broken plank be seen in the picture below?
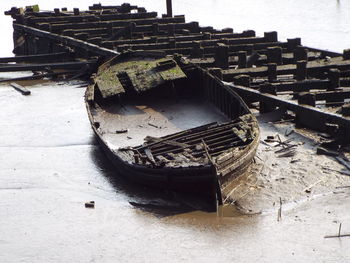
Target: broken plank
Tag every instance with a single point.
(20, 88)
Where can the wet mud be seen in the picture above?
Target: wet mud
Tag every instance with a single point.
(51, 166)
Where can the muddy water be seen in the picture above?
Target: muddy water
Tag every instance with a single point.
(50, 166)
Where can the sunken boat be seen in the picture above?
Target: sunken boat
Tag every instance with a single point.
(167, 123)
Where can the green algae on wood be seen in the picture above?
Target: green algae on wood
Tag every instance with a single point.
(141, 74)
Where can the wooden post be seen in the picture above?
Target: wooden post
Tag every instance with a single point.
(301, 70)
(266, 88)
(346, 54)
(300, 53)
(270, 36)
(307, 99)
(292, 43)
(274, 55)
(221, 56)
(334, 79)
(155, 28)
(272, 71)
(169, 8)
(242, 59)
(171, 29)
(334, 83)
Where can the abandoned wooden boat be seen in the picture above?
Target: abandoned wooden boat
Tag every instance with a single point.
(167, 123)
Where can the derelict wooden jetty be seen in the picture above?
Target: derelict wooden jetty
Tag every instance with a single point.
(310, 85)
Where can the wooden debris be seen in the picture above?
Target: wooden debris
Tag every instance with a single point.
(121, 131)
(339, 233)
(279, 214)
(153, 125)
(20, 88)
(90, 204)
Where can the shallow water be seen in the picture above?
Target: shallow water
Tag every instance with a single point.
(320, 23)
(50, 166)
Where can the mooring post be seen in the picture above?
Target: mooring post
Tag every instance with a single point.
(169, 8)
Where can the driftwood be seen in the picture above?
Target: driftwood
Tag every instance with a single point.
(20, 88)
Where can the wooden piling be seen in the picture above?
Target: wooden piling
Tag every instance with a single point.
(272, 72)
(242, 59)
(169, 8)
(301, 70)
(334, 83)
(306, 98)
(292, 43)
(274, 55)
(300, 53)
(271, 36)
(269, 89)
(346, 54)
(221, 56)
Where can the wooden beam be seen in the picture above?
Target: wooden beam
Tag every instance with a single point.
(20, 88)
(69, 41)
